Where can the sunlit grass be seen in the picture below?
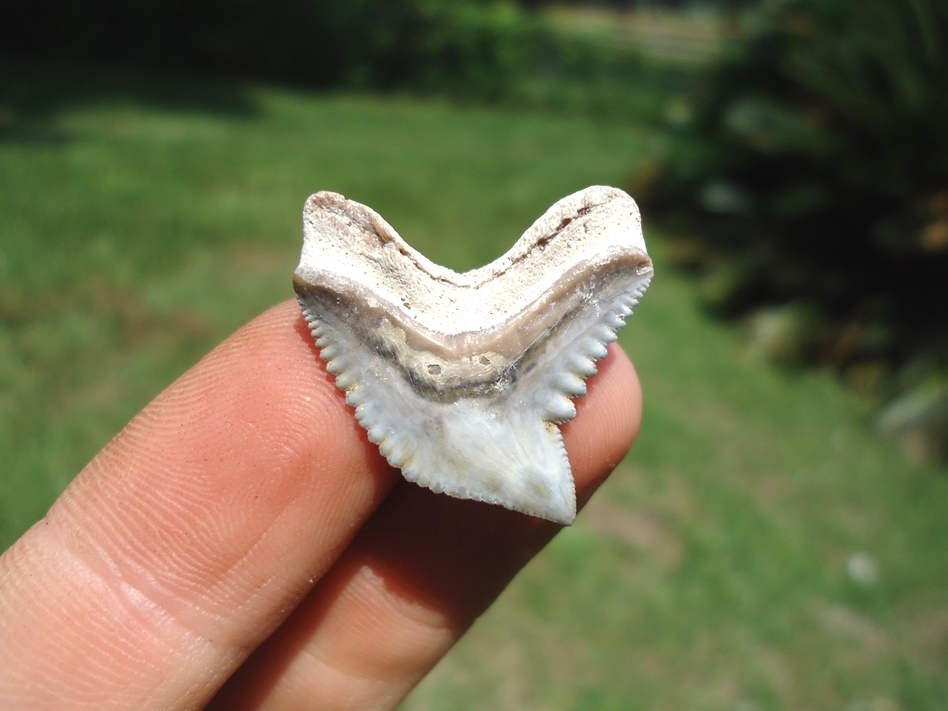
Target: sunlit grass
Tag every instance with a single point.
(760, 548)
(665, 35)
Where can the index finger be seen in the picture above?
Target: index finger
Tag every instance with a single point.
(197, 529)
(203, 524)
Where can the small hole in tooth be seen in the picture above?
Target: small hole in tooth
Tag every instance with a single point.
(484, 360)
(434, 369)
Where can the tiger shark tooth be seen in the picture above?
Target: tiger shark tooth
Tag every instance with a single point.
(462, 379)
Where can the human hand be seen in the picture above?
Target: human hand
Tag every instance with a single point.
(241, 544)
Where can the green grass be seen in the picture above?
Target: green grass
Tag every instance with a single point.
(143, 218)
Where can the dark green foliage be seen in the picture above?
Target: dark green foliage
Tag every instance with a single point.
(814, 171)
(316, 42)
(477, 49)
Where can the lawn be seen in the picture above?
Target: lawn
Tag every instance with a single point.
(760, 548)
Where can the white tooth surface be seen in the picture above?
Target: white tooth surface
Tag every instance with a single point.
(461, 379)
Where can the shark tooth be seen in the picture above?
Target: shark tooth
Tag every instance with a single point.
(462, 379)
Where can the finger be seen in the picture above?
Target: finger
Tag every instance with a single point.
(418, 574)
(191, 536)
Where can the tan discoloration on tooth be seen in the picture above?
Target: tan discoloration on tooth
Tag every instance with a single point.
(461, 378)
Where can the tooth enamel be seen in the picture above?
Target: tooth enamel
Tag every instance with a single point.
(461, 378)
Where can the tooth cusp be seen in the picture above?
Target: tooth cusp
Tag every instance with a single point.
(559, 409)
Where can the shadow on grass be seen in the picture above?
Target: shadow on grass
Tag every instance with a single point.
(35, 90)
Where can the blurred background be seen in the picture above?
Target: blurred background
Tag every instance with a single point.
(778, 537)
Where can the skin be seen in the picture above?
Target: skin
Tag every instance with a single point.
(241, 545)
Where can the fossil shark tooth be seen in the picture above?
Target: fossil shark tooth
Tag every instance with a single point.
(463, 379)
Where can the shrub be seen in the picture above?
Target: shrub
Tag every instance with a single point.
(813, 172)
(376, 45)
